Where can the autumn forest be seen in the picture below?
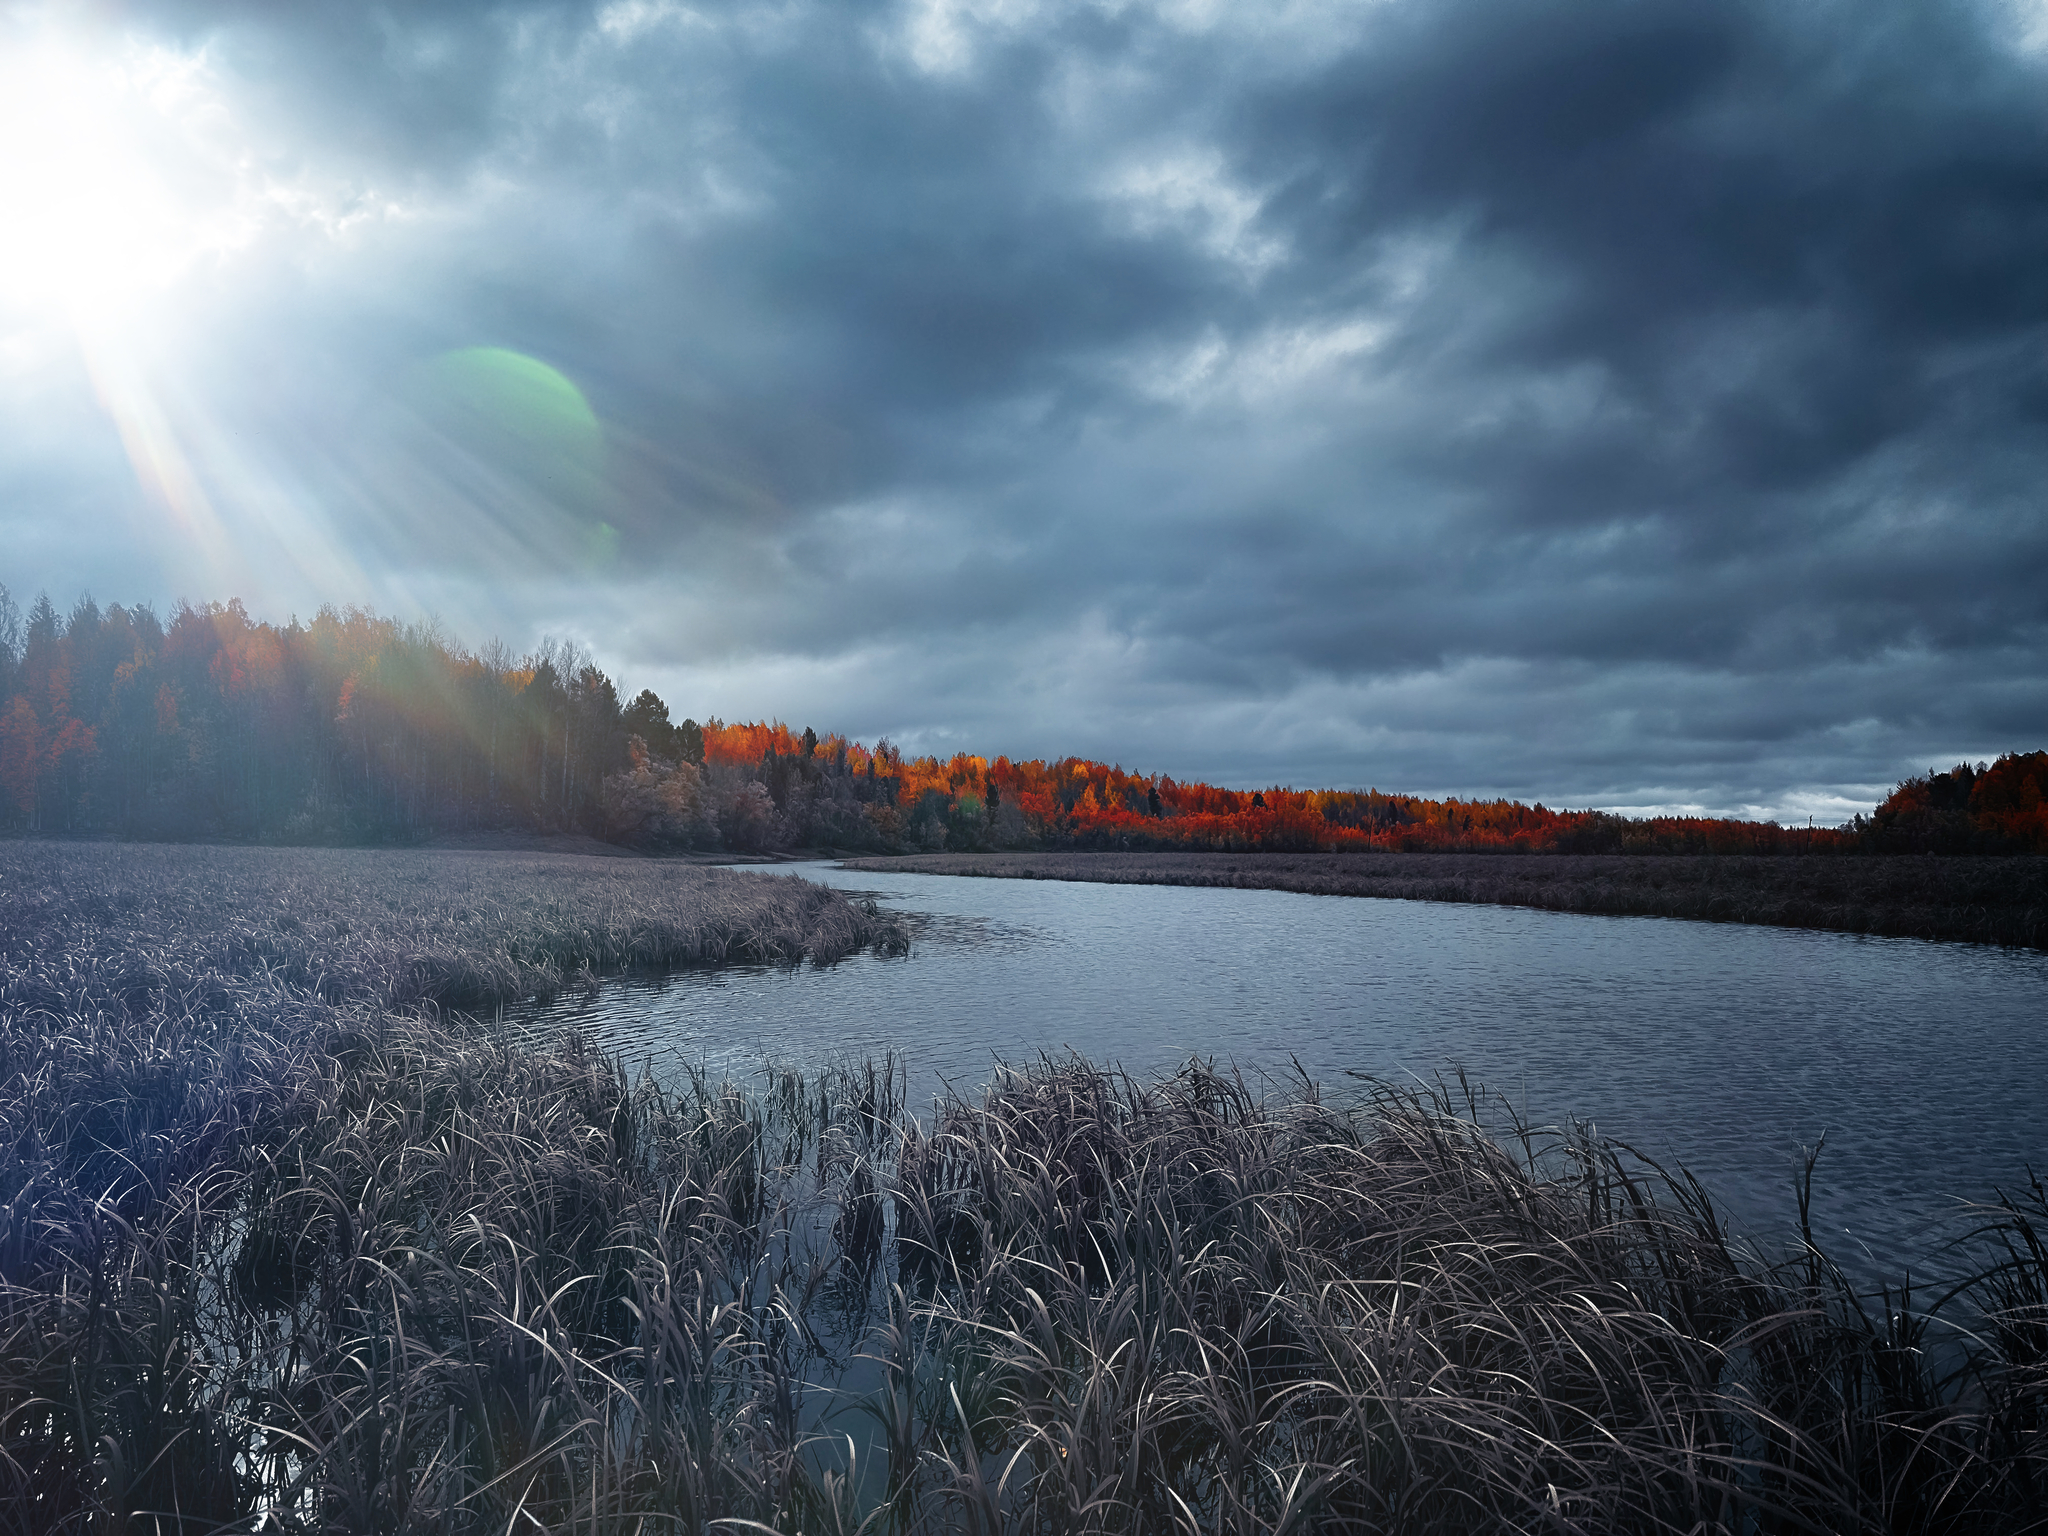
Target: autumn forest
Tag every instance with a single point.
(359, 729)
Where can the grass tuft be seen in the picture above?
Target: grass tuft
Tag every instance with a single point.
(290, 1243)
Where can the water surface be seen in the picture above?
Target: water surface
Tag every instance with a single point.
(1723, 1047)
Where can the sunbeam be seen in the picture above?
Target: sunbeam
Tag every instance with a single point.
(128, 191)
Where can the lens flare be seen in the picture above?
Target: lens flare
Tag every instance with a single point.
(128, 184)
(113, 185)
(130, 187)
(520, 398)
(492, 454)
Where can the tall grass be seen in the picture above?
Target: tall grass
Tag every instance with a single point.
(157, 1003)
(286, 1255)
(471, 1286)
(458, 930)
(267, 1197)
(462, 1287)
(1180, 1306)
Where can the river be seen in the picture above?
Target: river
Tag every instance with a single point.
(1721, 1047)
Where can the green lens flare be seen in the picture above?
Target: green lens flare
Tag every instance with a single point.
(519, 395)
(522, 440)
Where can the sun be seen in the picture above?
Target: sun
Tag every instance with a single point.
(126, 180)
(114, 180)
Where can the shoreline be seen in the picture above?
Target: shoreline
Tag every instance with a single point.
(1991, 900)
(259, 1136)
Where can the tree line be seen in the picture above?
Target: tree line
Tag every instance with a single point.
(1990, 808)
(355, 728)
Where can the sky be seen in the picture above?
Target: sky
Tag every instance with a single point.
(1629, 403)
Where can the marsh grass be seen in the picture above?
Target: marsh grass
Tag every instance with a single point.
(139, 925)
(474, 1286)
(287, 1236)
(326, 1255)
(1178, 1305)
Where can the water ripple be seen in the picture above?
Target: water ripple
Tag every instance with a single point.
(1726, 1048)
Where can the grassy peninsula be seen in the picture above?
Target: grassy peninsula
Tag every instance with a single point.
(1984, 900)
(293, 1240)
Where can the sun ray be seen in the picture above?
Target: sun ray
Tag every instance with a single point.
(125, 180)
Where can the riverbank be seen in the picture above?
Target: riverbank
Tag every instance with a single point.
(457, 1283)
(394, 928)
(186, 1030)
(1976, 900)
(293, 1239)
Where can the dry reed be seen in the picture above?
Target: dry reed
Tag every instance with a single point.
(1181, 1306)
(288, 1247)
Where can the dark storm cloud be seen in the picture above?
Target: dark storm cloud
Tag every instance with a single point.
(1624, 402)
(1785, 242)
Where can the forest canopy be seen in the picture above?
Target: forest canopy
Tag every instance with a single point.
(359, 729)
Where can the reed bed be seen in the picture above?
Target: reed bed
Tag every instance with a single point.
(178, 1023)
(157, 1002)
(1183, 1306)
(1920, 896)
(82, 924)
(284, 1255)
(472, 1286)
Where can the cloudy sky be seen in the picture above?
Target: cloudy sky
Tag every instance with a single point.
(1636, 403)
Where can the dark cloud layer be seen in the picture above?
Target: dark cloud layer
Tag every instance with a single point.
(1628, 403)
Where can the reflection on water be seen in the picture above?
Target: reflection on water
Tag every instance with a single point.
(1722, 1047)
